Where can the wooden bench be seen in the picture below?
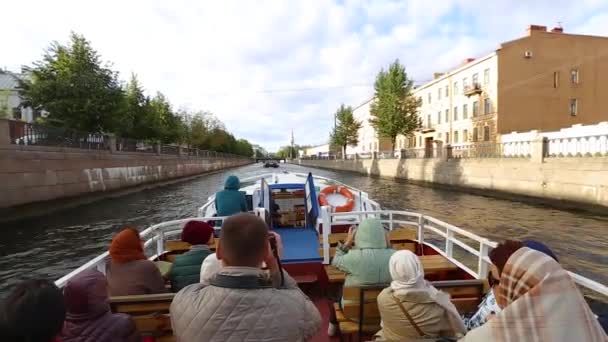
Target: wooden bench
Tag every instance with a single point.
(150, 313)
(359, 314)
(465, 294)
(177, 247)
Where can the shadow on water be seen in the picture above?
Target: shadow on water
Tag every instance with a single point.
(52, 245)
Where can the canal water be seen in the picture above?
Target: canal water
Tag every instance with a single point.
(52, 245)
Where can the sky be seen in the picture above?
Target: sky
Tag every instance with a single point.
(265, 68)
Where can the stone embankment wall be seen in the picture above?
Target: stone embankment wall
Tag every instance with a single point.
(582, 180)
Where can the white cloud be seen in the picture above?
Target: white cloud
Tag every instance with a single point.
(228, 56)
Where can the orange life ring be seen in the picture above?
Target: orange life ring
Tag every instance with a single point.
(335, 189)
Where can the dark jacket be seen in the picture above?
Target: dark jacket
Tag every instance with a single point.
(88, 317)
(230, 201)
(186, 269)
(136, 277)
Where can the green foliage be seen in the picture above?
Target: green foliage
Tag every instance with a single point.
(288, 152)
(347, 128)
(71, 83)
(394, 108)
(4, 108)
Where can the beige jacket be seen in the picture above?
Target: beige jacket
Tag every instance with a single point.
(430, 317)
(209, 313)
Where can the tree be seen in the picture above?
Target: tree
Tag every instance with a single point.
(288, 152)
(394, 110)
(73, 85)
(347, 128)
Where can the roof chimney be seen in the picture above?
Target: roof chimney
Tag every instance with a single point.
(557, 29)
(436, 75)
(536, 28)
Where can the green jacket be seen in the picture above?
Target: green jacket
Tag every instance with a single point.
(186, 269)
(230, 201)
(367, 261)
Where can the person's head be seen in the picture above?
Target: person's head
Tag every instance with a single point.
(500, 255)
(370, 234)
(232, 183)
(243, 241)
(406, 270)
(539, 246)
(127, 246)
(34, 311)
(86, 295)
(211, 265)
(197, 233)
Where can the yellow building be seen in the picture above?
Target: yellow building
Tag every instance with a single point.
(544, 81)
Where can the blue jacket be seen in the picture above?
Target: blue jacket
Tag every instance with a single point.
(230, 201)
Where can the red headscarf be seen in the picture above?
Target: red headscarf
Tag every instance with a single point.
(197, 232)
(126, 246)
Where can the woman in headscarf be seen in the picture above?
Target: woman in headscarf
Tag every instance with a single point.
(540, 302)
(411, 307)
(211, 265)
(89, 318)
(187, 266)
(129, 272)
(364, 257)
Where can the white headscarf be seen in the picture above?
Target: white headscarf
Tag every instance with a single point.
(408, 275)
(211, 265)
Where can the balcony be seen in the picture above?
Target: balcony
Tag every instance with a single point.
(474, 89)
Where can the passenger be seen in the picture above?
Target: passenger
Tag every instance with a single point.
(243, 302)
(89, 318)
(431, 313)
(129, 272)
(32, 312)
(540, 302)
(230, 201)
(364, 257)
(488, 307)
(209, 268)
(187, 267)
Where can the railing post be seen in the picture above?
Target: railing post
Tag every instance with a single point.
(449, 245)
(421, 230)
(158, 148)
(390, 220)
(160, 243)
(537, 149)
(5, 132)
(402, 153)
(482, 266)
(112, 142)
(447, 152)
(326, 219)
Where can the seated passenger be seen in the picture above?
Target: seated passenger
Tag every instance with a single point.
(488, 306)
(129, 272)
(244, 303)
(209, 268)
(187, 267)
(364, 257)
(89, 318)
(540, 302)
(230, 201)
(430, 313)
(32, 312)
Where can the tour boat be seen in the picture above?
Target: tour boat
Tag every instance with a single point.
(312, 214)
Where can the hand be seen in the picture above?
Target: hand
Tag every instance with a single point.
(271, 261)
(350, 239)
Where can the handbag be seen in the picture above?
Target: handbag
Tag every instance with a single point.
(409, 318)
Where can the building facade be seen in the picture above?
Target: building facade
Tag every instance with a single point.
(369, 141)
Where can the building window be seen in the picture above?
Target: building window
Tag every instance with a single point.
(447, 138)
(573, 107)
(475, 134)
(486, 76)
(574, 76)
(475, 108)
(370, 147)
(556, 79)
(455, 137)
(438, 93)
(428, 121)
(486, 133)
(420, 141)
(465, 83)
(439, 136)
(447, 115)
(486, 105)
(17, 113)
(439, 118)
(465, 136)
(429, 97)
(475, 79)
(455, 89)
(455, 113)
(465, 111)
(447, 90)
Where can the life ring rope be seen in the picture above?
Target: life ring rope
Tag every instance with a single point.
(336, 189)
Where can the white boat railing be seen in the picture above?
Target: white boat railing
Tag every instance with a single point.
(428, 231)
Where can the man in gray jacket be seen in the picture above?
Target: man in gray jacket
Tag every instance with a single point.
(244, 302)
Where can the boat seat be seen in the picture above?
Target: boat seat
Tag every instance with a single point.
(465, 294)
(150, 313)
(402, 234)
(360, 314)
